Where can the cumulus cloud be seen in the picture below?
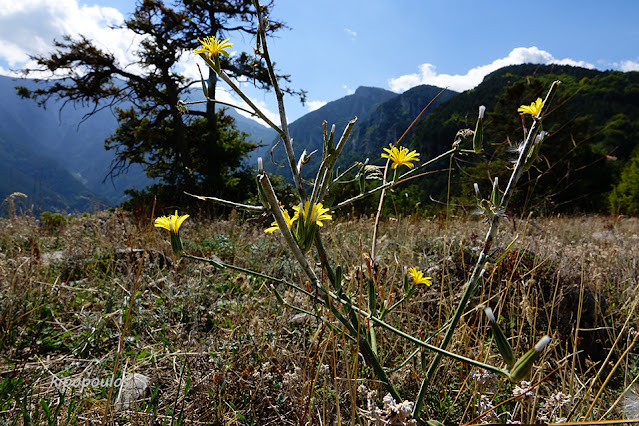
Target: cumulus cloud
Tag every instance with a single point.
(629, 66)
(521, 55)
(30, 26)
(313, 105)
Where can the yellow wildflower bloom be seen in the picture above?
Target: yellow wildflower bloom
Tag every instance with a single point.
(289, 221)
(213, 47)
(172, 222)
(400, 156)
(419, 278)
(533, 109)
(318, 213)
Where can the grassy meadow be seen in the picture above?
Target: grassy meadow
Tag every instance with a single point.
(215, 346)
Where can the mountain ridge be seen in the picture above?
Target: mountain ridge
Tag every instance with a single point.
(307, 134)
(69, 144)
(587, 97)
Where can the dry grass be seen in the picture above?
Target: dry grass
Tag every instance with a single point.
(219, 349)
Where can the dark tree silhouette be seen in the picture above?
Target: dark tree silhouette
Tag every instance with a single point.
(185, 149)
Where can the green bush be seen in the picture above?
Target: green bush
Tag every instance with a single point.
(52, 220)
(624, 197)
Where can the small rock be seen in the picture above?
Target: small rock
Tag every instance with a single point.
(298, 319)
(132, 388)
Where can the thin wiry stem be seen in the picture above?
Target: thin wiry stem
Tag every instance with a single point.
(381, 197)
(248, 207)
(284, 133)
(400, 179)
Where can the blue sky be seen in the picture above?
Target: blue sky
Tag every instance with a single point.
(332, 47)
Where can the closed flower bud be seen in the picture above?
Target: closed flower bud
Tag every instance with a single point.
(533, 152)
(478, 137)
(205, 89)
(477, 193)
(494, 197)
(503, 346)
(524, 364)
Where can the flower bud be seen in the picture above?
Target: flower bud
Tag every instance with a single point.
(533, 152)
(477, 193)
(524, 364)
(478, 137)
(494, 197)
(503, 346)
(205, 89)
(362, 182)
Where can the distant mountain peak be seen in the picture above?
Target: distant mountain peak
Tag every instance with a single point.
(372, 91)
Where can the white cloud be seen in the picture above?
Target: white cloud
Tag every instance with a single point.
(629, 66)
(30, 26)
(521, 55)
(351, 33)
(313, 105)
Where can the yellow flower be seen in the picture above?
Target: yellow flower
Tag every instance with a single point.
(419, 278)
(172, 222)
(318, 213)
(274, 227)
(533, 109)
(400, 156)
(213, 47)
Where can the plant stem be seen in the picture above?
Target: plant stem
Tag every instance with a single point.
(347, 303)
(288, 144)
(399, 179)
(228, 203)
(483, 256)
(285, 231)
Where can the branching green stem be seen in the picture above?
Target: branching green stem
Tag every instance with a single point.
(399, 179)
(348, 304)
(478, 271)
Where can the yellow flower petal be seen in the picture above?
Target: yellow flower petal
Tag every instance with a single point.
(289, 221)
(213, 47)
(533, 109)
(419, 278)
(318, 213)
(171, 223)
(400, 156)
